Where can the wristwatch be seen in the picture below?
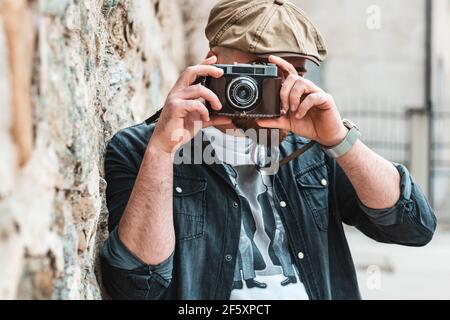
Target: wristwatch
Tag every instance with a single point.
(342, 148)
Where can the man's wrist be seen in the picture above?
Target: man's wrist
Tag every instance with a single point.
(154, 147)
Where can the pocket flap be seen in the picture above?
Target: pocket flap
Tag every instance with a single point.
(315, 176)
(183, 186)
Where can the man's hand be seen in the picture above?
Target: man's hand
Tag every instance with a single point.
(310, 112)
(183, 108)
(307, 110)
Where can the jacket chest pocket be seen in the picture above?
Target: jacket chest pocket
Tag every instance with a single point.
(313, 186)
(189, 205)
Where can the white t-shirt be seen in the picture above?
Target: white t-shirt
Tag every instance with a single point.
(265, 268)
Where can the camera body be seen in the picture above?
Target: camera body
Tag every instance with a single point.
(246, 90)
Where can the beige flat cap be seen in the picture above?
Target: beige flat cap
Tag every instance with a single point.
(265, 27)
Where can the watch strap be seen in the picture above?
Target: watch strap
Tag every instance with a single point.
(345, 146)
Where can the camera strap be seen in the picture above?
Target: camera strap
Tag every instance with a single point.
(296, 153)
(154, 118)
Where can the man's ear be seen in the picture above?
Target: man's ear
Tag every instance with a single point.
(210, 54)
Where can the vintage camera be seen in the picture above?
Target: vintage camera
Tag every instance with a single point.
(247, 90)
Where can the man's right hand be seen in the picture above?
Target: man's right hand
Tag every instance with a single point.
(176, 125)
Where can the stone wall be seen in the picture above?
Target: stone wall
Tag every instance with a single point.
(72, 73)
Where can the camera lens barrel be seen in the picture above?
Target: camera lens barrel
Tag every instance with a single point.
(243, 93)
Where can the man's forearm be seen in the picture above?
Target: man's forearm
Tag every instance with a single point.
(146, 227)
(376, 180)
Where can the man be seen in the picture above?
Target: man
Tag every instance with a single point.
(229, 230)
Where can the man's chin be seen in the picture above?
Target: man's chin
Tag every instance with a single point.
(263, 135)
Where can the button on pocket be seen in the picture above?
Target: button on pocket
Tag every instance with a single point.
(313, 186)
(189, 205)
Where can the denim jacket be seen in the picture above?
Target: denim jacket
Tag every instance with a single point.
(207, 217)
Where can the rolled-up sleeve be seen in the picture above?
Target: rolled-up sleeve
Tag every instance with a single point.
(128, 277)
(410, 222)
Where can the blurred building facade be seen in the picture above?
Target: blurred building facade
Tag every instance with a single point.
(383, 77)
(389, 71)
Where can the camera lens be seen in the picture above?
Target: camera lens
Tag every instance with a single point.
(243, 93)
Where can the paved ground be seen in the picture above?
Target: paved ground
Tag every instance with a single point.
(396, 272)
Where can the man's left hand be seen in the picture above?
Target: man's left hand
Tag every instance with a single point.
(307, 110)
